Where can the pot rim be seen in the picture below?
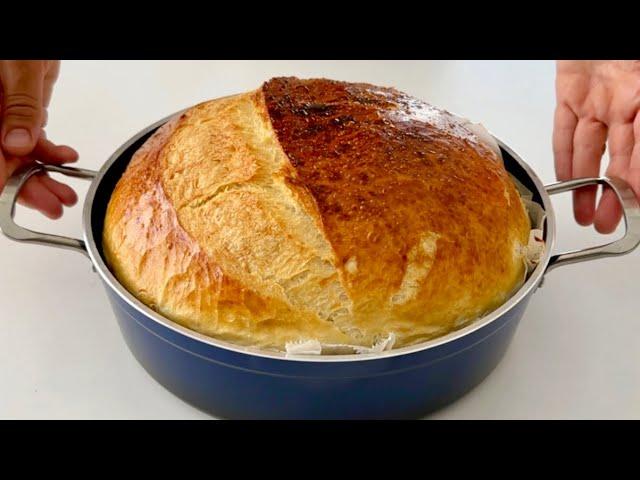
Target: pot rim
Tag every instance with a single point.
(110, 280)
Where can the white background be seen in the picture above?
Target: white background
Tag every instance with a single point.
(576, 352)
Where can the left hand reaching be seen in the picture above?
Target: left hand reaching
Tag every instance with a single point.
(25, 90)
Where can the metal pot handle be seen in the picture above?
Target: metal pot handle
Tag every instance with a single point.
(8, 198)
(630, 208)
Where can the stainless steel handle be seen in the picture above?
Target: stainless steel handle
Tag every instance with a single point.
(630, 208)
(8, 198)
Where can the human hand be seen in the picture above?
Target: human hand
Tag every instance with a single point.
(25, 92)
(597, 104)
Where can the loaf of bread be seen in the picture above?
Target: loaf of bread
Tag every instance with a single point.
(317, 210)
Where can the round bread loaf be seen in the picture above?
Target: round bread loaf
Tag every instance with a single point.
(317, 210)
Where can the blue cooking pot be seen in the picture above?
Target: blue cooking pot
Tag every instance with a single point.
(231, 381)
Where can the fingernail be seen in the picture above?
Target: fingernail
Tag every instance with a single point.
(18, 138)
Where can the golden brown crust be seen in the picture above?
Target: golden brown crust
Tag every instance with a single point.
(316, 210)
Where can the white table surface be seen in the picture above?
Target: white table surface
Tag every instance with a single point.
(575, 354)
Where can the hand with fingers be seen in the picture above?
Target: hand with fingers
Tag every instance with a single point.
(598, 106)
(25, 91)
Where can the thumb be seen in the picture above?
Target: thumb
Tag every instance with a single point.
(22, 111)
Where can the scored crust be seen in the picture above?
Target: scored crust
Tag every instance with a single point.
(315, 209)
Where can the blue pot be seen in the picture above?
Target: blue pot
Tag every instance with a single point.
(234, 384)
(244, 383)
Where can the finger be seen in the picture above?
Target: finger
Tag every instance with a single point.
(633, 173)
(35, 195)
(49, 80)
(588, 147)
(22, 83)
(32, 196)
(3, 171)
(564, 125)
(8, 165)
(609, 211)
(65, 193)
(634, 163)
(48, 152)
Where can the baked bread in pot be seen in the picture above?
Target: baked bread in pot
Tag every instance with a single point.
(317, 210)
